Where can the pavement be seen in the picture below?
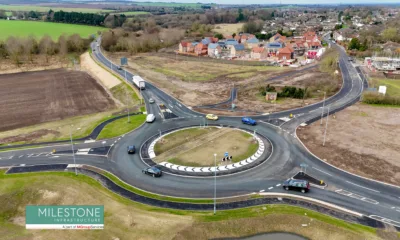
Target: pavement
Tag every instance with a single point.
(371, 198)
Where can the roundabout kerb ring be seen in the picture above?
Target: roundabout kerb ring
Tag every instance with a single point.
(263, 153)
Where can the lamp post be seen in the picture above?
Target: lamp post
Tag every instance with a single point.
(215, 183)
(326, 127)
(323, 107)
(72, 146)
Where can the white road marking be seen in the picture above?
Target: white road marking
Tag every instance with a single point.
(103, 142)
(278, 185)
(363, 187)
(385, 220)
(322, 171)
(22, 165)
(21, 156)
(270, 188)
(179, 105)
(30, 155)
(54, 157)
(11, 157)
(119, 139)
(356, 196)
(262, 190)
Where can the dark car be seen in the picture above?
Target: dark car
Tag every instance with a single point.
(299, 185)
(131, 149)
(247, 120)
(152, 171)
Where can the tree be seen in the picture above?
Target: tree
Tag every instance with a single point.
(354, 44)
(3, 14)
(46, 46)
(31, 47)
(240, 15)
(390, 34)
(234, 35)
(219, 36)
(15, 49)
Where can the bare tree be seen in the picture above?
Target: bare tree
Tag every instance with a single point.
(46, 46)
(31, 47)
(15, 50)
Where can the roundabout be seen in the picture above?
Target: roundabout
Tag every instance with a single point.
(183, 151)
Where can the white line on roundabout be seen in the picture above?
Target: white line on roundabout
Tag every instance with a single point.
(363, 187)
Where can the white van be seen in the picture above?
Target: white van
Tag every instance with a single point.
(150, 118)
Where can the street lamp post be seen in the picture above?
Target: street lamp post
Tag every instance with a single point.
(326, 127)
(323, 107)
(72, 146)
(215, 183)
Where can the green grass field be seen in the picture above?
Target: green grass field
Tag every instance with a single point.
(121, 126)
(46, 9)
(393, 86)
(170, 4)
(133, 13)
(38, 29)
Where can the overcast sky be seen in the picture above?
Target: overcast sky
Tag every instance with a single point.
(277, 1)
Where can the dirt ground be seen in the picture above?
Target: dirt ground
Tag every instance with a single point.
(228, 29)
(362, 139)
(191, 153)
(197, 83)
(106, 78)
(35, 97)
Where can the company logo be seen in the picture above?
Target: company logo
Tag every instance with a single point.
(64, 217)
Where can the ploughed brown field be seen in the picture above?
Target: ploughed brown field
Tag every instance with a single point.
(35, 97)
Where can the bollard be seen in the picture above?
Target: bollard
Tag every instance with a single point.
(322, 182)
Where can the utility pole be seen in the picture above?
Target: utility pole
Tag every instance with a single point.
(72, 146)
(326, 127)
(323, 107)
(215, 183)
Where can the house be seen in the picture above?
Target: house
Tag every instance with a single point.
(222, 44)
(252, 42)
(277, 38)
(243, 37)
(238, 50)
(200, 49)
(183, 46)
(214, 49)
(208, 40)
(190, 47)
(344, 34)
(285, 53)
(230, 43)
(272, 48)
(259, 53)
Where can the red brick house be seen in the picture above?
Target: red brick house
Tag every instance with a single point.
(183, 46)
(201, 49)
(259, 53)
(285, 53)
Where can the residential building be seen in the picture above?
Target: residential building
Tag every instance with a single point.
(230, 43)
(183, 46)
(200, 49)
(252, 42)
(238, 50)
(259, 53)
(273, 47)
(214, 50)
(285, 53)
(243, 37)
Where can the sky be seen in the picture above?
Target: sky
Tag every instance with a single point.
(277, 1)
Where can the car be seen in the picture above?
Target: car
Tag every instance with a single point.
(294, 184)
(150, 118)
(119, 67)
(250, 121)
(350, 59)
(151, 100)
(152, 171)
(94, 49)
(131, 149)
(212, 117)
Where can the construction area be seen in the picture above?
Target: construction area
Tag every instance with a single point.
(361, 139)
(31, 98)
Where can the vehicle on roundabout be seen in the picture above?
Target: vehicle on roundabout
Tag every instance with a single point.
(294, 184)
(152, 171)
(249, 121)
(150, 118)
(151, 100)
(212, 117)
(131, 149)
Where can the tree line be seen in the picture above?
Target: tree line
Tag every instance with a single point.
(24, 49)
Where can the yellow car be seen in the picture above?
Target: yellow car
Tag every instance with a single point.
(212, 117)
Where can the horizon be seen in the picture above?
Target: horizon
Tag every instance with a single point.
(275, 2)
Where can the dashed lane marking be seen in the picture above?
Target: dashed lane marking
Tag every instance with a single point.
(262, 190)
(278, 185)
(356, 196)
(385, 220)
(363, 187)
(21, 156)
(270, 188)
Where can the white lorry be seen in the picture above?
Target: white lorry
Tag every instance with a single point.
(139, 82)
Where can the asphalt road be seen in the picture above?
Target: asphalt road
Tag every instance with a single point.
(346, 190)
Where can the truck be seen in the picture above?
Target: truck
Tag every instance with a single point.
(139, 82)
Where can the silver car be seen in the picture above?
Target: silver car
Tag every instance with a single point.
(151, 100)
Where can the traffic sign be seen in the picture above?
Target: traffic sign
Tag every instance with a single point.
(226, 154)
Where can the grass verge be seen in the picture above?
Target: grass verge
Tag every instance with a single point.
(125, 219)
(121, 126)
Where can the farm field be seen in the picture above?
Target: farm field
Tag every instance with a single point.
(393, 86)
(168, 4)
(38, 29)
(133, 13)
(228, 29)
(36, 97)
(46, 9)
